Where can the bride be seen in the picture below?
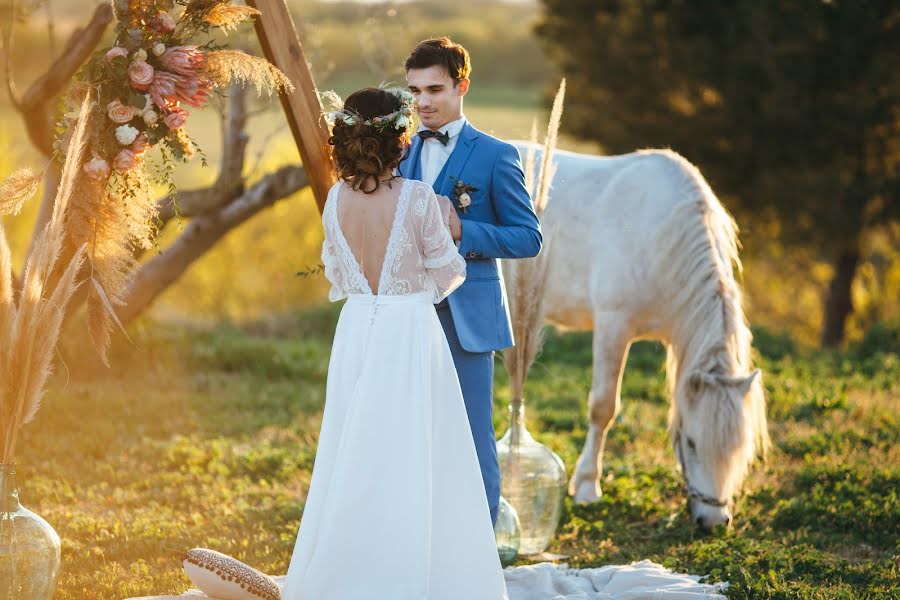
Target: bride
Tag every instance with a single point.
(396, 506)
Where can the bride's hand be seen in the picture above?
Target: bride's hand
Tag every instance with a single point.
(450, 218)
(446, 207)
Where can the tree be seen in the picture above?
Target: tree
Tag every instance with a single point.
(213, 211)
(790, 108)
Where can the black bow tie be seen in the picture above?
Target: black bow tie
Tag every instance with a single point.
(443, 138)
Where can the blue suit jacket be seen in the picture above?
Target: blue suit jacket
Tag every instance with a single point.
(500, 223)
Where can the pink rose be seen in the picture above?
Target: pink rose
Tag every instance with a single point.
(140, 144)
(164, 21)
(116, 52)
(118, 112)
(96, 169)
(176, 118)
(141, 75)
(184, 60)
(126, 160)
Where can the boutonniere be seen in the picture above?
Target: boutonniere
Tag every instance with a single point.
(461, 191)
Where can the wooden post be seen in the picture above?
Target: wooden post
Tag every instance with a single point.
(281, 45)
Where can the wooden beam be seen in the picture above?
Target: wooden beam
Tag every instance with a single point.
(281, 46)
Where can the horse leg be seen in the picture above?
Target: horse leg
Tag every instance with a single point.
(610, 348)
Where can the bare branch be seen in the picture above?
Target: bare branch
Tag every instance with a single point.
(203, 233)
(234, 143)
(51, 28)
(191, 203)
(8, 51)
(35, 105)
(229, 183)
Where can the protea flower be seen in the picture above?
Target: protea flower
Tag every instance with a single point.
(193, 91)
(163, 86)
(183, 60)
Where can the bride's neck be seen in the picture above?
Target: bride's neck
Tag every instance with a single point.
(384, 179)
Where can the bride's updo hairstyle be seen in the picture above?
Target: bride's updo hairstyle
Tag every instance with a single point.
(370, 136)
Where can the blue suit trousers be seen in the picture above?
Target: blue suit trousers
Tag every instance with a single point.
(476, 378)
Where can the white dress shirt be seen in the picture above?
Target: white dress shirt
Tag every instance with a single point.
(434, 154)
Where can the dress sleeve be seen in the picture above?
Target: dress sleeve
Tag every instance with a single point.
(331, 261)
(442, 259)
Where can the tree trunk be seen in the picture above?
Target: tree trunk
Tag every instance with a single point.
(839, 303)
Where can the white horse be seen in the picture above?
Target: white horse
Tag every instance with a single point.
(641, 248)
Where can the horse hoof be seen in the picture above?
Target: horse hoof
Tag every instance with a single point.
(586, 492)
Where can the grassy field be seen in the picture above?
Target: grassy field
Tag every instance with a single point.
(206, 437)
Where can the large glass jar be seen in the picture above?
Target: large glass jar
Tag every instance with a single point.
(29, 546)
(533, 481)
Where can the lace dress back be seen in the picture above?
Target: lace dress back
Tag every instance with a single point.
(419, 255)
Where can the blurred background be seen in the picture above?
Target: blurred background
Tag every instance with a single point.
(789, 111)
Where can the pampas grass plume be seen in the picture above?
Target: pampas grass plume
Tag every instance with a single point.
(527, 278)
(16, 189)
(30, 327)
(229, 16)
(225, 66)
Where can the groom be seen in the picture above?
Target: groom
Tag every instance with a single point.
(482, 176)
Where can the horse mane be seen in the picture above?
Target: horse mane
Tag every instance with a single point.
(694, 264)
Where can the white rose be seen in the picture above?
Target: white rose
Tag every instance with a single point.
(140, 54)
(402, 121)
(150, 117)
(126, 134)
(97, 169)
(158, 48)
(465, 199)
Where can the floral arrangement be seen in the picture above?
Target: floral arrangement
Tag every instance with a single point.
(143, 82)
(139, 91)
(399, 119)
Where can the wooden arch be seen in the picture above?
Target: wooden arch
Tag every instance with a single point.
(302, 107)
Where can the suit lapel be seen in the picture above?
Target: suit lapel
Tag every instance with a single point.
(413, 170)
(464, 146)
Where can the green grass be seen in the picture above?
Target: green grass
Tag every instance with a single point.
(207, 438)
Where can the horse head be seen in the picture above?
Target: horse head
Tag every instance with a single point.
(717, 430)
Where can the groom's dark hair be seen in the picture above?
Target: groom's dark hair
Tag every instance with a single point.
(442, 52)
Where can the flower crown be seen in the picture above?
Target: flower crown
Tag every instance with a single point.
(398, 119)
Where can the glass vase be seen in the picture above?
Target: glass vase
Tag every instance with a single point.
(533, 481)
(29, 546)
(507, 532)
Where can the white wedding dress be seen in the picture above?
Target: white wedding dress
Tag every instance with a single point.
(396, 507)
